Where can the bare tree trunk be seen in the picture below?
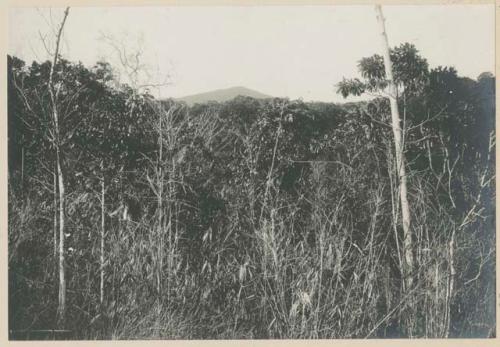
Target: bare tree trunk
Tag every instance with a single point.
(451, 283)
(61, 309)
(400, 159)
(103, 231)
(56, 210)
(22, 167)
(160, 201)
(55, 216)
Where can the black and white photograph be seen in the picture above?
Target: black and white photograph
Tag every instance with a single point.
(251, 171)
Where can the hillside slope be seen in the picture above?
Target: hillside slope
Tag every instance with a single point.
(221, 95)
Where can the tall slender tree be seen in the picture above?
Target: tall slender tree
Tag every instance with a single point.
(61, 309)
(398, 146)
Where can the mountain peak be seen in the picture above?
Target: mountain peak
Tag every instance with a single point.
(221, 95)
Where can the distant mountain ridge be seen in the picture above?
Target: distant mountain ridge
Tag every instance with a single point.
(221, 95)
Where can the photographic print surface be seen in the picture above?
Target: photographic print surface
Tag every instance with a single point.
(251, 172)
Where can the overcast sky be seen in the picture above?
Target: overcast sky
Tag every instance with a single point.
(298, 52)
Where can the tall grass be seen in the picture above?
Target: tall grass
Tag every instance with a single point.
(321, 261)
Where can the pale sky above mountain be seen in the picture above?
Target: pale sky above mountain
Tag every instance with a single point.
(300, 51)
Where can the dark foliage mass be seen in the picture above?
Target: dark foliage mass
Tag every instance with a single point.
(253, 218)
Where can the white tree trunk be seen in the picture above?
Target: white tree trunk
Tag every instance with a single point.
(103, 232)
(400, 159)
(160, 203)
(22, 167)
(61, 309)
(55, 217)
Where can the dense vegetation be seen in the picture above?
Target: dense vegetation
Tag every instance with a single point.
(252, 218)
